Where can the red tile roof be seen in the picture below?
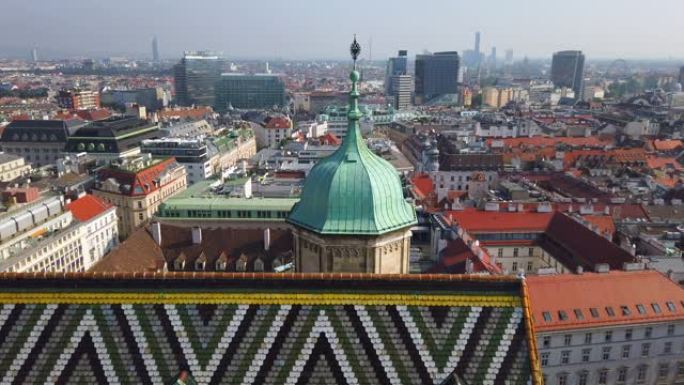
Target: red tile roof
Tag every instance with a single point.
(330, 139)
(542, 141)
(570, 242)
(20, 117)
(626, 155)
(88, 207)
(655, 162)
(423, 185)
(667, 144)
(66, 115)
(182, 113)
(141, 182)
(636, 291)
(477, 221)
(669, 181)
(604, 223)
(94, 115)
(137, 254)
(279, 122)
(622, 211)
(574, 245)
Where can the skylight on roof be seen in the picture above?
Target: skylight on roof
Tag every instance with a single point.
(547, 316)
(671, 306)
(610, 311)
(641, 309)
(562, 315)
(625, 310)
(656, 308)
(594, 312)
(578, 314)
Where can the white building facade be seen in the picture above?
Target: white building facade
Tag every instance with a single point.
(617, 328)
(60, 238)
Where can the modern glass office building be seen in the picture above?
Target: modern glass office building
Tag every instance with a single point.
(249, 91)
(396, 66)
(567, 70)
(196, 76)
(436, 75)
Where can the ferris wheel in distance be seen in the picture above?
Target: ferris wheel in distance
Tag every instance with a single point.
(618, 69)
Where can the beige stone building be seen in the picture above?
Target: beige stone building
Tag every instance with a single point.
(137, 188)
(383, 254)
(12, 167)
(230, 151)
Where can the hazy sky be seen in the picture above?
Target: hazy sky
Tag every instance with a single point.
(303, 29)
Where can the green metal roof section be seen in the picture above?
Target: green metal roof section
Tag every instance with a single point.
(353, 191)
(199, 197)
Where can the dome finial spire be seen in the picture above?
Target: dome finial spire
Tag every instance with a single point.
(355, 50)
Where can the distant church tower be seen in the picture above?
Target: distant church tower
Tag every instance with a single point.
(352, 215)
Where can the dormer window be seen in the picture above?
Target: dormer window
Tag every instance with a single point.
(241, 264)
(201, 262)
(258, 265)
(179, 263)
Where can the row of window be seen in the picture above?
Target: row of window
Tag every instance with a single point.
(516, 252)
(624, 310)
(460, 178)
(602, 376)
(607, 336)
(264, 214)
(514, 266)
(606, 353)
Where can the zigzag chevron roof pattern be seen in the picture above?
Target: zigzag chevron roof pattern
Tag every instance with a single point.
(279, 331)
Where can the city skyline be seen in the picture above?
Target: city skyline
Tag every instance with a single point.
(241, 31)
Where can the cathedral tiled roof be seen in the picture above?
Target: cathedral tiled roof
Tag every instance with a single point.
(148, 328)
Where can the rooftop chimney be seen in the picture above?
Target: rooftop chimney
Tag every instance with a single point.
(156, 233)
(248, 188)
(267, 239)
(196, 235)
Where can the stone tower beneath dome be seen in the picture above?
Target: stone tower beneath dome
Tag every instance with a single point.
(352, 215)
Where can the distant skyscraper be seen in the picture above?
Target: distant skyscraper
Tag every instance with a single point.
(34, 54)
(395, 66)
(477, 43)
(155, 50)
(403, 91)
(195, 78)
(492, 58)
(681, 76)
(436, 75)
(509, 56)
(567, 70)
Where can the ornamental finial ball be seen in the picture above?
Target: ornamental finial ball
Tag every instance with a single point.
(354, 76)
(355, 49)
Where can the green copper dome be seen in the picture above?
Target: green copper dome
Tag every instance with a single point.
(353, 191)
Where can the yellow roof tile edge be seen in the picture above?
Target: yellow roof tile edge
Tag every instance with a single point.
(535, 366)
(258, 299)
